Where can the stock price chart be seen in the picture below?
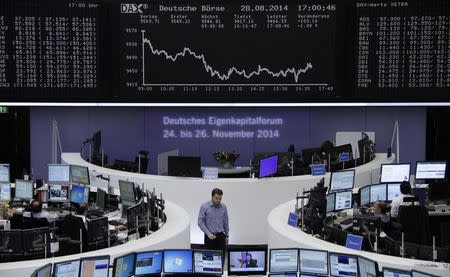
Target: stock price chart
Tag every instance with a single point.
(228, 49)
(50, 48)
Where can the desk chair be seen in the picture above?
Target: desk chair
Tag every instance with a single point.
(16, 221)
(11, 249)
(31, 223)
(70, 241)
(36, 243)
(415, 224)
(97, 233)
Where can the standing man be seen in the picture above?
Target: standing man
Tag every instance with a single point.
(213, 221)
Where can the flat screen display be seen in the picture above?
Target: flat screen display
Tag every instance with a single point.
(343, 200)
(178, 261)
(79, 194)
(208, 262)
(5, 191)
(124, 266)
(377, 193)
(342, 265)
(367, 268)
(393, 191)
(395, 173)
(430, 170)
(364, 195)
(80, 174)
(4, 173)
(67, 269)
(95, 267)
(268, 166)
(148, 263)
(313, 262)
(283, 260)
(59, 173)
(127, 192)
(248, 262)
(24, 189)
(390, 272)
(58, 193)
(342, 180)
(330, 202)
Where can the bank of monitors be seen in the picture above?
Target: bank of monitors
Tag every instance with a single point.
(178, 262)
(247, 261)
(79, 194)
(127, 192)
(393, 191)
(124, 265)
(94, 266)
(343, 265)
(148, 263)
(364, 195)
(313, 262)
(342, 180)
(283, 260)
(4, 173)
(24, 189)
(5, 191)
(338, 201)
(43, 271)
(378, 193)
(392, 272)
(395, 173)
(208, 262)
(268, 166)
(79, 174)
(431, 170)
(330, 202)
(367, 267)
(66, 269)
(58, 193)
(59, 173)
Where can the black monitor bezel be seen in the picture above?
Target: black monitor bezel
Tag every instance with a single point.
(334, 202)
(377, 270)
(381, 172)
(78, 182)
(349, 255)
(385, 190)
(67, 200)
(35, 272)
(335, 197)
(148, 274)
(64, 262)
(134, 191)
(424, 179)
(10, 191)
(421, 272)
(248, 248)
(359, 192)
(266, 158)
(209, 251)
(274, 274)
(340, 171)
(312, 273)
(54, 182)
(9, 173)
(78, 185)
(282, 272)
(26, 181)
(399, 270)
(94, 258)
(176, 273)
(122, 256)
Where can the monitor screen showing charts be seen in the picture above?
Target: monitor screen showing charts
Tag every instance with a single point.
(342, 180)
(342, 265)
(393, 191)
(5, 191)
(330, 202)
(391, 272)
(4, 173)
(79, 174)
(208, 262)
(95, 266)
(124, 265)
(313, 262)
(367, 268)
(283, 260)
(430, 170)
(24, 189)
(377, 193)
(343, 200)
(364, 195)
(59, 173)
(66, 269)
(395, 173)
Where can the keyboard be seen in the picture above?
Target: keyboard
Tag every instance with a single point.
(94, 213)
(347, 221)
(115, 222)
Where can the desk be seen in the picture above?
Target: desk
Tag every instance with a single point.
(248, 200)
(174, 234)
(282, 235)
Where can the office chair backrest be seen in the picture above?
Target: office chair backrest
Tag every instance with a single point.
(16, 221)
(71, 228)
(36, 240)
(415, 224)
(31, 223)
(11, 241)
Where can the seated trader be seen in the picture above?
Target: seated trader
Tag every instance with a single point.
(81, 212)
(380, 209)
(405, 191)
(37, 212)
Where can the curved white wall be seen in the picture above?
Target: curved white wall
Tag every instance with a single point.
(175, 233)
(249, 201)
(282, 235)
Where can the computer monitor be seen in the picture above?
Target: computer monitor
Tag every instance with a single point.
(364, 196)
(283, 260)
(342, 180)
(123, 266)
(208, 262)
(79, 174)
(378, 193)
(59, 173)
(100, 200)
(127, 191)
(95, 266)
(4, 173)
(331, 198)
(367, 267)
(79, 194)
(343, 200)
(177, 262)
(43, 271)
(287, 275)
(58, 193)
(5, 191)
(148, 263)
(393, 191)
(354, 242)
(395, 173)
(343, 265)
(415, 273)
(392, 272)
(247, 261)
(24, 189)
(268, 166)
(313, 262)
(66, 269)
(184, 166)
(430, 170)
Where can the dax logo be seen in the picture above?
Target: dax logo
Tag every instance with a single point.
(133, 8)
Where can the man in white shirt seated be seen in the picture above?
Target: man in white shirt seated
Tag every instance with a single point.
(405, 191)
(81, 212)
(37, 212)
